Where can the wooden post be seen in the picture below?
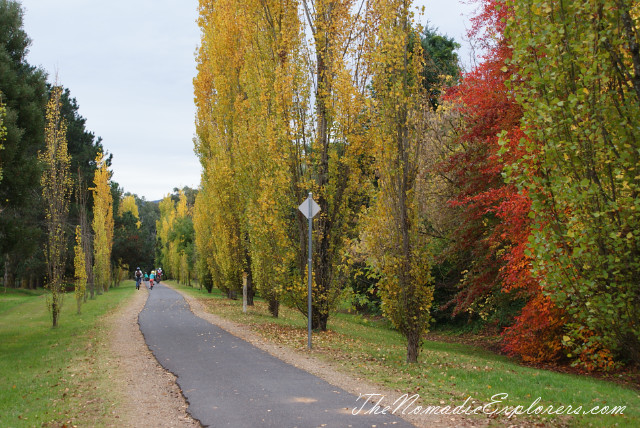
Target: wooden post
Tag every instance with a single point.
(244, 292)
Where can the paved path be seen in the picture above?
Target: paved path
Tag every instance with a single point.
(229, 382)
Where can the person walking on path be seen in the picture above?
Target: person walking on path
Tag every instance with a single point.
(138, 275)
(146, 280)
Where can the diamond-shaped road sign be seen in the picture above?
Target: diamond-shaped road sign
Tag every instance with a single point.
(309, 209)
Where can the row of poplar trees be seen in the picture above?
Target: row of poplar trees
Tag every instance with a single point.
(321, 96)
(511, 199)
(57, 189)
(175, 252)
(105, 245)
(54, 180)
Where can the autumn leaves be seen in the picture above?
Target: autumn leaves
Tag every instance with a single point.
(285, 105)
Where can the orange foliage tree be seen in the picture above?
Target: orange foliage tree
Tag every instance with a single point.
(493, 237)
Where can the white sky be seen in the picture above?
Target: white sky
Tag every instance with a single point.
(130, 65)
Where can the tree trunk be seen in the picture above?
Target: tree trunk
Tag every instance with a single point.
(251, 291)
(274, 307)
(413, 347)
(247, 259)
(8, 277)
(54, 314)
(5, 280)
(319, 318)
(322, 264)
(91, 288)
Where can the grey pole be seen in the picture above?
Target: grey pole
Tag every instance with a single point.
(309, 269)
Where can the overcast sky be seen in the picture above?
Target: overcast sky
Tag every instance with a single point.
(130, 65)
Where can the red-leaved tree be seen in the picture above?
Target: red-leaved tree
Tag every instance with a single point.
(492, 236)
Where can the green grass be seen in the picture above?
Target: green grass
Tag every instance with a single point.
(10, 298)
(52, 377)
(447, 373)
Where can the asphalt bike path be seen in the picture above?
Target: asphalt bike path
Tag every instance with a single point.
(230, 383)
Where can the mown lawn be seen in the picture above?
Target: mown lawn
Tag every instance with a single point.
(447, 373)
(53, 376)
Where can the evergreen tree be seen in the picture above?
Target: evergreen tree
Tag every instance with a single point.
(149, 215)
(3, 131)
(441, 66)
(23, 92)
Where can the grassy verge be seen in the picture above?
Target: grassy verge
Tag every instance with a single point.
(53, 377)
(447, 374)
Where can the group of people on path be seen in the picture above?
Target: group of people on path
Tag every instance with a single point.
(149, 279)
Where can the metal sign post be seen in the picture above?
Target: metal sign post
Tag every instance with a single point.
(309, 208)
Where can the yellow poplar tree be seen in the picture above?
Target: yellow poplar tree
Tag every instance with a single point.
(79, 268)
(338, 157)
(128, 204)
(226, 237)
(218, 89)
(173, 257)
(102, 224)
(263, 145)
(251, 142)
(56, 191)
(206, 265)
(179, 256)
(81, 199)
(270, 140)
(398, 249)
(163, 227)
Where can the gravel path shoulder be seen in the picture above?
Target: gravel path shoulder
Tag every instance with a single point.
(150, 396)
